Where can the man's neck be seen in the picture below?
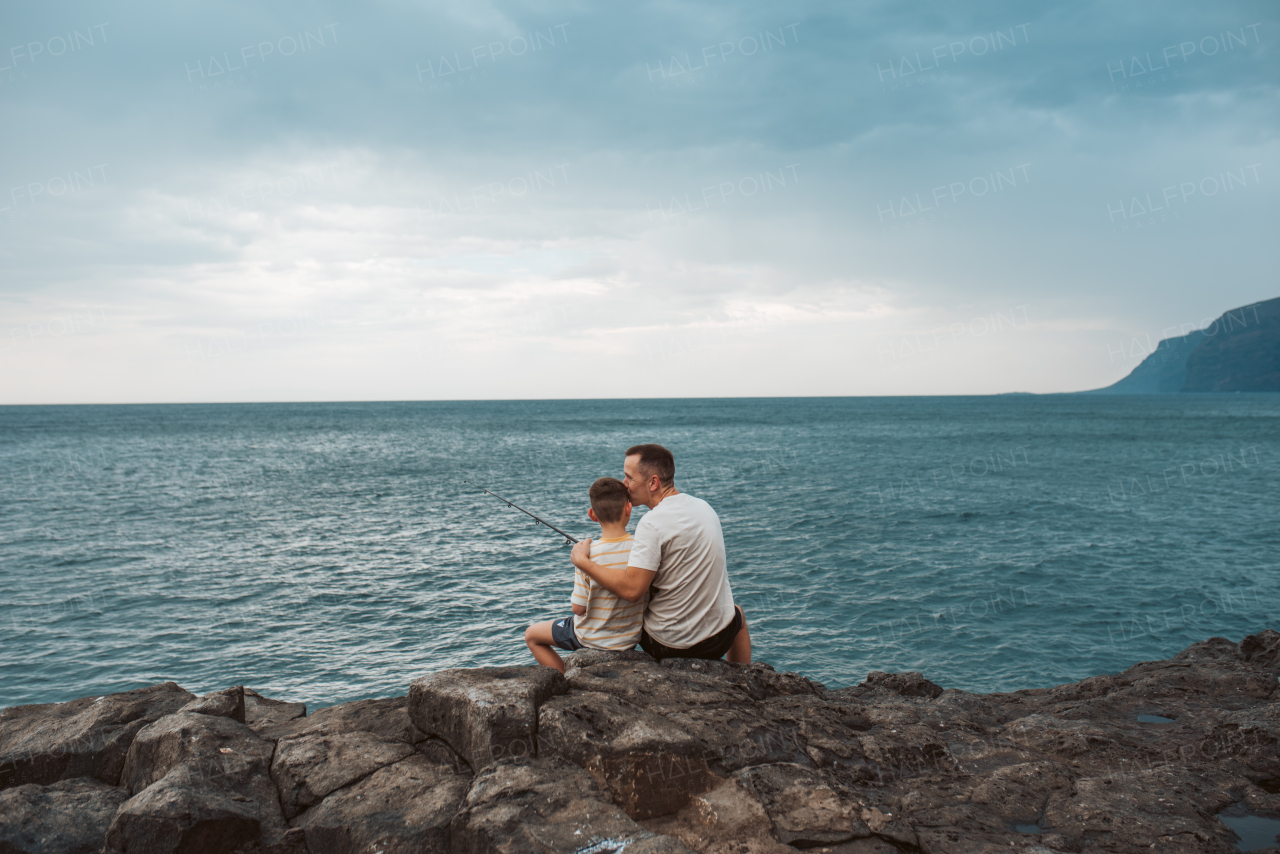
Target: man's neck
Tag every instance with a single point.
(661, 495)
(612, 530)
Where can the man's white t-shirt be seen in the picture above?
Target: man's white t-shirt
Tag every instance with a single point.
(690, 599)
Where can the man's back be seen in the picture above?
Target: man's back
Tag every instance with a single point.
(682, 542)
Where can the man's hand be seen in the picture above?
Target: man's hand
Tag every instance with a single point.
(581, 553)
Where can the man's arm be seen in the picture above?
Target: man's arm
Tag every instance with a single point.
(630, 583)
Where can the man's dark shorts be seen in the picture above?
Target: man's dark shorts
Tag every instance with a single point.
(563, 635)
(710, 649)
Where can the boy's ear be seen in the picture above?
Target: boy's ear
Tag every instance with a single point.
(591, 514)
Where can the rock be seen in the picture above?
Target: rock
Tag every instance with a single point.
(201, 756)
(803, 809)
(67, 817)
(484, 714)
(830, 735)
(738, 736)
(729, 811)
(722, 705)
(89, 737)
(591, 657)
(546, 805)
(751, 761)
(387, 718)
(1143, 811)
(803, 729)
(689, 682)
(262, 712)
(184, 812)
(219, 747)
(910, 684)
(1066, 739)
(294, 841)
(726, 820)
(1224, 678)
(1262, 650)
(759, 681)
(885, 825)
(228, 703)
(308, 767)
(402, 808)
(871, 845)
(1020, 792)
(647, 764)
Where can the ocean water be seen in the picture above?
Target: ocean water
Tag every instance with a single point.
(328, 552)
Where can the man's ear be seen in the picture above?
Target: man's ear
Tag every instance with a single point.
(591, 514)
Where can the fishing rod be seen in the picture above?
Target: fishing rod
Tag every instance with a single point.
(568, 539)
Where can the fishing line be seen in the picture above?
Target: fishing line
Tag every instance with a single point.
(568, 539)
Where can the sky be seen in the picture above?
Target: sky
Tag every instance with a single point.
(304, 201)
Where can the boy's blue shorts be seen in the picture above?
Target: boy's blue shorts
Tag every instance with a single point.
(563, 636)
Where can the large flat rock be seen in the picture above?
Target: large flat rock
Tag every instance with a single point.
(186, 813)
(194, 756)
(725, 820)
(687, 682)
(262, 713)
(89, 737)
(647, 764)
(802, 807)
(547, 805)
(402, 808)
(387, 717)
(227, 703)
(67, 817)
(308, 767)
(1262, 650)
(486, 714)
(219, 747)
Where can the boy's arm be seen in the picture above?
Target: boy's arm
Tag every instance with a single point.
(630, 583)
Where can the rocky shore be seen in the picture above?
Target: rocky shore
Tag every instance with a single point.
(625, 754)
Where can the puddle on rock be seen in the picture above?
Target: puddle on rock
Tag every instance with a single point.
(1028, 828)
(1255, 831)
(1154, 719)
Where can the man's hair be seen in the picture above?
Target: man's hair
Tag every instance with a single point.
(608, 496)
(655, 459)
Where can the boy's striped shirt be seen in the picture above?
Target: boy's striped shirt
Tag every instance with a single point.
(610, 622)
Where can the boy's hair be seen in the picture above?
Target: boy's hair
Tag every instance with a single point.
(608, 496)
(655, 459)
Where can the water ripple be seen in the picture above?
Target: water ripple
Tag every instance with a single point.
(328, 552)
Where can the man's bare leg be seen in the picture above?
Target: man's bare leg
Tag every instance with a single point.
(740, 652)
(538, 638)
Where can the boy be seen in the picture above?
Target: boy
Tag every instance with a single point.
(601, 620)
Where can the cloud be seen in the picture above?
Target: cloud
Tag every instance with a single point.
(313, 202)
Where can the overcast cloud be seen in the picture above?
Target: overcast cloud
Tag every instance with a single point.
(389, 200)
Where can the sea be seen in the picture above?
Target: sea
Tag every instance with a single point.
(326, 552)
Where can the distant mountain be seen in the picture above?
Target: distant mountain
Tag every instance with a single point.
(1240, 351)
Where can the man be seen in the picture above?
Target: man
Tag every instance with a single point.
(679, 552)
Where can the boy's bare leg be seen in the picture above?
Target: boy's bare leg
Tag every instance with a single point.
(740, 652)
(538, 638)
